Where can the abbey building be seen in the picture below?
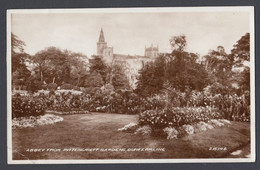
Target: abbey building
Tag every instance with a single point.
(131, 64)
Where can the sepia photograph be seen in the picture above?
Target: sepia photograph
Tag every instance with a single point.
(131, 85)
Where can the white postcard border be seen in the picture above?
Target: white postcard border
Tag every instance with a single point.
(249, 9)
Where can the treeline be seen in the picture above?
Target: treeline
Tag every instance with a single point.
(217, 72)
(52, 67)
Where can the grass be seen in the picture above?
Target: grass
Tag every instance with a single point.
(99, 130)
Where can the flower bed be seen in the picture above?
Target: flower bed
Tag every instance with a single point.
(177, 116)
(32, 121)
(170, 132)
(69, 112)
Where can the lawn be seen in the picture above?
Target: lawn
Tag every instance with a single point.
(99, 130)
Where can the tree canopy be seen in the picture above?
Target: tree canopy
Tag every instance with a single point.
(53, 65)
(20, 72)
(179, 68)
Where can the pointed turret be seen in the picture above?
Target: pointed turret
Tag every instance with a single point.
(101, 36)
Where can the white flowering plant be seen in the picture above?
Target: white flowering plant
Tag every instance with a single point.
(177, 116)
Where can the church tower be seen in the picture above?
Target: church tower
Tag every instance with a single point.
(101, 44)
(103, 50)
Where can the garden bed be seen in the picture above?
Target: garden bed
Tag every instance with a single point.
(32, 121)
(67, 112)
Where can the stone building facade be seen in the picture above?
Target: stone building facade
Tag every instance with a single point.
(152, 52)
(130, 64)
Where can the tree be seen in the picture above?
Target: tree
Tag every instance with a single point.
(241, 50)
(179, 68)
(178, 43)
(79, 68)
(20, 72)
(119, 79)
(60, 66)
(151, 77)
(99, 66)
(53, 65)
(219, 66)
(94, 79)
(182, 70)
(241, 54)
(17, 44)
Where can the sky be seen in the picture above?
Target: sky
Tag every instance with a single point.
(129, 32)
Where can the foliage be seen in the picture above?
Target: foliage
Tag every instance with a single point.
(94, 80)
(219, 65)
(150, 80)
(33, 85)
(20, 72)
(58, 66)
(52, 86)
(245, 80)
(119, 79)
(103, 100)
(67, 86)
(98, 66)
(171, 132)
(177, 116)
(144, 130)
(17, 44)
(178, 42)
(27, 106)
(241, 50)
(131, 127)
(32, 121)
(179, 68)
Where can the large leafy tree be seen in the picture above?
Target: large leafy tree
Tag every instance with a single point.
(94, 79)
(241, 54)
(20, 72)
(79, 68)
(53, 65)
(241, 50)
(224, 68)
(179, 68)
(98, 65)
(59, 66)
(219, 66)
(119, 78)
(151, 77)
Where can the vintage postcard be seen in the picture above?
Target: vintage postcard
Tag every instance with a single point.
(131, 85)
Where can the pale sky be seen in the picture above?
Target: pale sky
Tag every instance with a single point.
(128, 33)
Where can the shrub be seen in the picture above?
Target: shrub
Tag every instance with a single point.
(144, 130)
(27, 106)
(131, 127)
(188, 129)
(177, 116)
(67, 86)
(171, 132)
(52, 86)
(202, 126)
(216, 123)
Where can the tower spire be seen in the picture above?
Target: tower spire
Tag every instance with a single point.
(101, 36)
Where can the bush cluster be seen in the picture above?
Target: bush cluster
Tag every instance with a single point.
(24, 106)
(176, 116)
(231, 106)
(185, 106)
(115, 102)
